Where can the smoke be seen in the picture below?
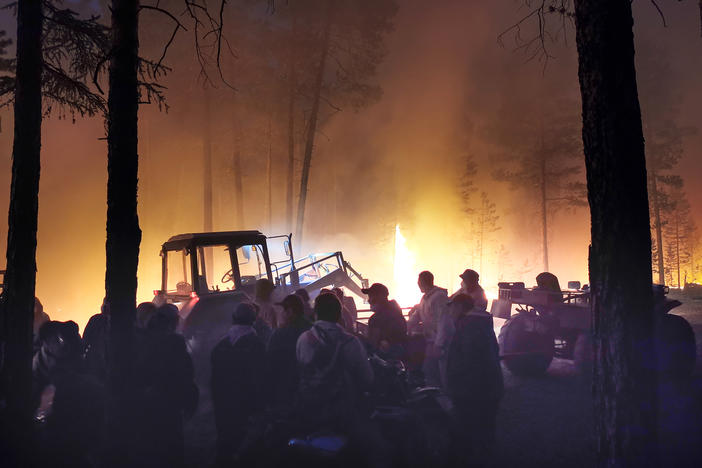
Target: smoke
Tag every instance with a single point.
(395, 163)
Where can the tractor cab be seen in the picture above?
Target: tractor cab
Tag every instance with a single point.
(199, 265)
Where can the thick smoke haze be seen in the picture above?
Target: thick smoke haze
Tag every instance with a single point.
(446, 83)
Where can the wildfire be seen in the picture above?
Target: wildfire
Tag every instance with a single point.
(405, 290)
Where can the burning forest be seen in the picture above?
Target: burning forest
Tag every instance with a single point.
(350, 233)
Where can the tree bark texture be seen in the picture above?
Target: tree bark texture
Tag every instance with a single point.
(312, 125)
(292, 93)
(624, 382)
(658, 226)
(20, 276)
(544, 215)
(123, 232)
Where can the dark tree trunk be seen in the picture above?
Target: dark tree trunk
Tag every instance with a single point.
(292, 92)
(269, 175)
(544, 215)
(123, 232)
(238, 186)
(312, 125)
(207, 164)
(620, 255)
(18, 295)
(658, 226)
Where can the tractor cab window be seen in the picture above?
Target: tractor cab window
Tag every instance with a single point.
(252, 264)
(214, 268)
(178, 272)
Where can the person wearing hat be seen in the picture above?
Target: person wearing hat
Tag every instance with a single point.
(237, 382)
(387, 327)
(281, 363)
(472, 377)
(471, 287)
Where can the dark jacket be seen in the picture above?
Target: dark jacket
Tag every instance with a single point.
(281, 363)
(387, 324)
(236, 385)
(473, 367)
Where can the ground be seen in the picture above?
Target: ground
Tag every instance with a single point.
(548, 421)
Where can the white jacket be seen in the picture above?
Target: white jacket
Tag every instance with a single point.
(428, 312)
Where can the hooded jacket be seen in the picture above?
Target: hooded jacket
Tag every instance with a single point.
(428, 312)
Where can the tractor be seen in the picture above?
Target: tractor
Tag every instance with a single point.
(207, 274)
(550, 324)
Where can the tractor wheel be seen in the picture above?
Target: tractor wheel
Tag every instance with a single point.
(676, 347)
(526, 344)
(583, 354)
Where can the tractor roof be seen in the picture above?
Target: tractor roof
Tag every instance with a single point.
(182, 241)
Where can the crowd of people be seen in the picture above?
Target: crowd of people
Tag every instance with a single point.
(305, 360)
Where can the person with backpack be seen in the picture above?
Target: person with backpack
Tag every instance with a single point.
(333, 374)
(473, 379)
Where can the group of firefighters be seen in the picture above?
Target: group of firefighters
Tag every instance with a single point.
(292, 357)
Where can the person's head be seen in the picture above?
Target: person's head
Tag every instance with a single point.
(264, 289)
(144, 312)
(339, 293)
(293, 307)
(377, 293)
(425, 281)
(303, 294)
(327, 307)
(38, 308)
(105, 307)
(469, 279)
(164, 319)
(460, 305)
(244, 314)
(547, 282)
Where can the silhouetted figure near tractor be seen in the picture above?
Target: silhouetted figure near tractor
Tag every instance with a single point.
(238, 362)
(95, 337)
(387, 327)
(424, 319)
(165, 391)
(473, 378)
(281, 363)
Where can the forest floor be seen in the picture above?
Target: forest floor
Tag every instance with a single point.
(548, 421)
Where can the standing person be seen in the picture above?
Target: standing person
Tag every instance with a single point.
(471, 287)
(424, 319)
(237, 382)
(387, 327)
(40, 317)
(166, 392)
(281, 363)
(334, 373)
(95, 342)
(305, 296)
(473, 380)
(264, 300)
(348, 310)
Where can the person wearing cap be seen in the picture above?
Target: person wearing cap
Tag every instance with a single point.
(281, 362)
(387, 327)
(349, 314)
(424, 318)
(471, 287)
(237, 382)
(473, 378)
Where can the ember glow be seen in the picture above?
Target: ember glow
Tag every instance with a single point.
(405, 290)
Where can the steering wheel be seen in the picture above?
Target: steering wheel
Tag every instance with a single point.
(228, 276)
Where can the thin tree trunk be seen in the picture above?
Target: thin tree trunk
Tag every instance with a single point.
(123, 232)
(292, 92)
(238, 188)
(207, 197)
(312, 125)
(17, 311)
(677, 245)
(269, 174)
(620, 254)
(544, 215)
(658, 225)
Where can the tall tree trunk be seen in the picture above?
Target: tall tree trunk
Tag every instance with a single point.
(677, 245)
(620, 254)
(269, 174)
(658, 225)
(312, 125)
(238, 186)
(123, 232)
(544, 214)
(207, 209)
(18, 296)
(292, 93)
